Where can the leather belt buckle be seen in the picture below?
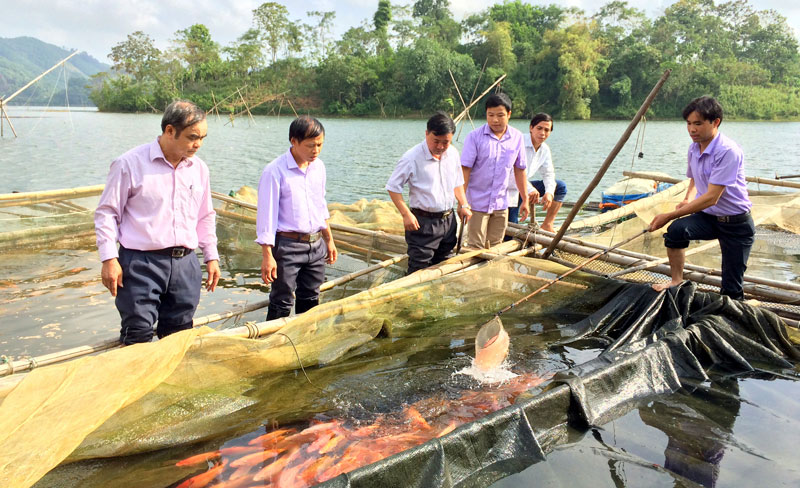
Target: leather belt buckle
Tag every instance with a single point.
(178, 252)
(312, 238)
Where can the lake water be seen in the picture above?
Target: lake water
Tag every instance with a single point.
(60, 149)
(52, 299)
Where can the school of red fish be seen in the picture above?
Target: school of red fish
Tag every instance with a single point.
(288, 458)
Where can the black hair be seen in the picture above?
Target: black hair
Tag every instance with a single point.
(542, 117)
(305, 127)
(708, 108)
(498, 100)
(440, 124)
(181, 114)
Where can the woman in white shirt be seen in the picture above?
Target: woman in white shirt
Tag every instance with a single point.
(549, 191)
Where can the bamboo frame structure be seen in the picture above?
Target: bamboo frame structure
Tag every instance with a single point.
(617, 148)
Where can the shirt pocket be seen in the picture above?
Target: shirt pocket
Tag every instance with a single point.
(191, 197)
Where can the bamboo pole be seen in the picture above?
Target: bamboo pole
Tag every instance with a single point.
(11, 97)
(769, 292)
(751, 179)
(617, 148)
(35, 196)
(8, 119)
(246, 107)
(463, 103)
(404, 285)
(639, 257)
(57, 357)
(44, 231)
(466, 110)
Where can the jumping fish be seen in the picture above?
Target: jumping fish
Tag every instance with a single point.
(491, 345)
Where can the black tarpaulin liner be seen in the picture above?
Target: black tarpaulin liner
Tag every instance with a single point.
(651, 342)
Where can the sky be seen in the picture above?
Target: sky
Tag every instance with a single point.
(95, 26)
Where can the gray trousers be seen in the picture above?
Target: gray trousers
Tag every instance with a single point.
(432, 243)
(301, 271)
(156, 288)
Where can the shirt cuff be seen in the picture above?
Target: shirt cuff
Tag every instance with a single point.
(210, 254)
(108, 251)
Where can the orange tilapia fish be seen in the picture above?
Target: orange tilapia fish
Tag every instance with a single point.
(256, 457)
(491, 345)
(274, 436)
(203, 479)
(199, 458)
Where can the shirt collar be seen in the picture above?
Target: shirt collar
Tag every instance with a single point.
(710, 149)
(426, 151)
(157, 154)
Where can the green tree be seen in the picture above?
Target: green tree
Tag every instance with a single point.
(137, 56)
(272, 20)
(198, 51)
(245, 54)
(436, 21)
(322, 31)
(381, 21)
(578, 56)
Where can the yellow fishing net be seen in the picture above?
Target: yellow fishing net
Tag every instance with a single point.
(193, 385)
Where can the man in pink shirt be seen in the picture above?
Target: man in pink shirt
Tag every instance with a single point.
(157, 205)
(292, 222)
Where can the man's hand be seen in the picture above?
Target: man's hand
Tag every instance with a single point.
(212, 267)
(524, 210)
(547, 199)
(659, 221)
(332, 252)
(410, 222)
(682, 203)
(464, 213)
(111, 275)
(533, 197)
(269, 268)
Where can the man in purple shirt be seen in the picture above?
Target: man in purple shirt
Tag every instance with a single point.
(157, 205)
(721, 208)
(489, 154)
(292, 222)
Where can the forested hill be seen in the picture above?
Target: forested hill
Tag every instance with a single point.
(24, 58)
(566, 61)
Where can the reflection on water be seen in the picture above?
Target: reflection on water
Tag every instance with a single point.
(735, 432)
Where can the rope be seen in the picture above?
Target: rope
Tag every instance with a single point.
(299, 361)
(639, 145)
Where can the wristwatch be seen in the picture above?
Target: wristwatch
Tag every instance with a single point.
(465, 206)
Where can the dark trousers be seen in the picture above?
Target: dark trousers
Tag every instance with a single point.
(735, 240)
(432, 243)
(301, 271)
(560, 194)
(156, 288)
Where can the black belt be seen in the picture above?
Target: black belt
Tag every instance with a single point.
(733, 219)
(175, 252)
(297, 236)
(432, 215)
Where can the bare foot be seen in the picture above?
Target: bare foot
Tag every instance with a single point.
(548, 228)
(664, 286)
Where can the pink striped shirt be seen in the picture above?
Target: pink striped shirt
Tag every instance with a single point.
(148, 204)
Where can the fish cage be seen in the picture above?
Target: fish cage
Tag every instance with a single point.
(607, 382)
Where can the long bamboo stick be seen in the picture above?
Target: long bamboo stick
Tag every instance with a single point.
(452, 265)
(57, 357)
(34, 196)
(639, 257)
(11, 97)
(460, 116)
(768, 292)
(751, 179)
(617, 148)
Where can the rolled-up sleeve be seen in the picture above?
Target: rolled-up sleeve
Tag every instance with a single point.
(521, 161)
(108, 214)
(400, 176)
(469, 152)
(207, 225)
(269, 190)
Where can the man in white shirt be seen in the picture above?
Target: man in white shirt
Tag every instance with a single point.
(432, 170)
(549, 191)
